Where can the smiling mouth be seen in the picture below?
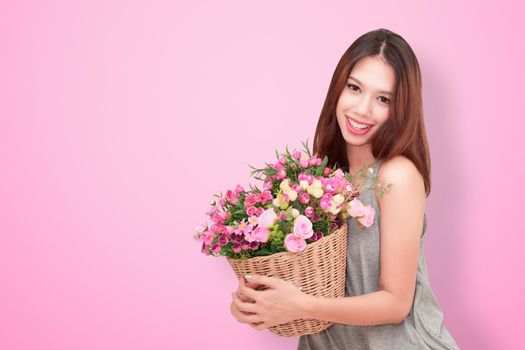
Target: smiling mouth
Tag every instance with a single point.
(356, 128)
(358, 124)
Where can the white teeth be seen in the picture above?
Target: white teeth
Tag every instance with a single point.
(358, 126)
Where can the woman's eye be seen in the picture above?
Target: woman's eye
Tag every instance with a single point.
(384, 99)
(352, 86)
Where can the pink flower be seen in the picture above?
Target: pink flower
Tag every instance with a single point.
(231, 196)
(247, 229)
(304, 163)
(294, 244)
(281, 174)
(236, 248)
(304, 198)
(326, 201)
(216, 249)
(367, 219)
(356, 208)
(326, 171)
(211, 211)
(277, 166)
(267, 218)
(251, 210)
(302, 227)
(266, 196)
(251, 199)
(239, 189)
(317, 236)
(364, 214)
(296, 188)
(339, 173)
(282, 160)
(267, 186)
(306, 177)
(219, 217)
(207, 237)
(297, 155)
(313, 161)
(260, 211)
(223, 240)
(260, 234)
(254, 245)
(282, 216)
(331, 184)
(309, 211)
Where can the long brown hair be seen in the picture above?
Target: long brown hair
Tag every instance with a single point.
(403, 133)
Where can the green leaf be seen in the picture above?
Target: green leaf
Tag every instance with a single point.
(307, 149)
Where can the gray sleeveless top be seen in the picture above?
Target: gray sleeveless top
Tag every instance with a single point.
(422, 329)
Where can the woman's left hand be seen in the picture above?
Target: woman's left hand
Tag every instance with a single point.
(280, 303)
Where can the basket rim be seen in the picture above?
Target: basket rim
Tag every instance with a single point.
(309, 247)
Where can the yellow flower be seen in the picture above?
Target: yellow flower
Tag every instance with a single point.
(338, 199)
(285, 185)
(303, 184)
(292, 195)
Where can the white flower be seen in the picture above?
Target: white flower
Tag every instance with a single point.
(303, 184)
(292, 195)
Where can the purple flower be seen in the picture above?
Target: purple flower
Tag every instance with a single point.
(254, 245)
(236, 247)
(223, 240)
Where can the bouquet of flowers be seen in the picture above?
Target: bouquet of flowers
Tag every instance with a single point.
(294, 227)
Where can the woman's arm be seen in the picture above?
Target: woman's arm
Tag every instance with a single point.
(402, 211)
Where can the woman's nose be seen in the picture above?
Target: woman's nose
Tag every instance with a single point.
(363, 106)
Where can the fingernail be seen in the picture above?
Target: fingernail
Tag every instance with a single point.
(247, 276)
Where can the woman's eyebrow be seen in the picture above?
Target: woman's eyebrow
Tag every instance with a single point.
(382, 91)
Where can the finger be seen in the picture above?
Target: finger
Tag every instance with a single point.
(258, 326)
(242, 317)
(250, 293)
(238, 314)
(271, 282)
(244, 297)
(243, 282)
(242, 306)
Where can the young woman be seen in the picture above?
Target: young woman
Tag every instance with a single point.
(373, 114)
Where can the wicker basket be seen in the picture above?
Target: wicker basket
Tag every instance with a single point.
(320, 270)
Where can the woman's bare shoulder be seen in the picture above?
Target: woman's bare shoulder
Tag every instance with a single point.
(400, 172)
(398, 166)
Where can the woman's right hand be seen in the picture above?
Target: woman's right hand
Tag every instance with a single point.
(236, 313)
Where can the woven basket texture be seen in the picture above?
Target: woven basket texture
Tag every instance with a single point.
(320, 270)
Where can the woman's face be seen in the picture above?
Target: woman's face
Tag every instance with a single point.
(365, 100)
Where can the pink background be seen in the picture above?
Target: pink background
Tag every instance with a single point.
(120, 119)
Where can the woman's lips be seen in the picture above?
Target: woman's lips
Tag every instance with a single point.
(356, 131)
(358, 121)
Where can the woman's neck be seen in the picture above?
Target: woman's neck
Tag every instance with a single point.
(358, 157)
